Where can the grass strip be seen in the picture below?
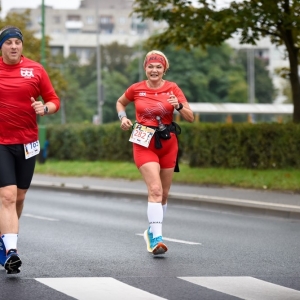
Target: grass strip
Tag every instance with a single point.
(283, 180)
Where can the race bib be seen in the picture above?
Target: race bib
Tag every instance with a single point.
(31, 149)
(141, 135)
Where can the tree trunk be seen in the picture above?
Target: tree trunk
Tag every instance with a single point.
(294, 74)
(295, 84)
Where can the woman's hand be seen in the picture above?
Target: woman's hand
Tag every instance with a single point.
(126, 124)
(173, 100)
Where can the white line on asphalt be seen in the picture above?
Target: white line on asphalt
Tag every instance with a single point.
(247, 288)
(175, 240)
(39, 217)
(95, 288)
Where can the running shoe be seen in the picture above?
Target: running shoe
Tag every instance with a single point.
(13, 262)
(2, 252)
(157, 246)
(148, 236)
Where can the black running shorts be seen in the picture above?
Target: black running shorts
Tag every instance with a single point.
(14, 168)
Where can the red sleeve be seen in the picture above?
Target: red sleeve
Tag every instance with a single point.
(47, 91)
(179, 94)
(129, 94)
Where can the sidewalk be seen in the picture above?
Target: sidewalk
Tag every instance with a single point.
(263, 202)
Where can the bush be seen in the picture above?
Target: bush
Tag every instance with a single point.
(261, 146)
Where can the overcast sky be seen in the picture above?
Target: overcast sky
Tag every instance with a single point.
(59, 4)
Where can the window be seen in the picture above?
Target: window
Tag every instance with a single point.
(74, 18)
(74, 30)
(122, 20)
(106, 24)
(90, 20)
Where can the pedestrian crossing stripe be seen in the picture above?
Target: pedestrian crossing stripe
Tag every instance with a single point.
(247, 288)
(95, 288)
(108, 288)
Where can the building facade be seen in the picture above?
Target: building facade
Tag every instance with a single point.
(75, 30)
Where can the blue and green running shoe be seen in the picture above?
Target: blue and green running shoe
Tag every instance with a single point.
(13, 262)
(148, 236)
(156, 245)
(2, 252)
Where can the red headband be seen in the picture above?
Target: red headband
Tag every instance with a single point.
(155, 58)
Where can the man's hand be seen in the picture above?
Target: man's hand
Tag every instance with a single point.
(38, 106)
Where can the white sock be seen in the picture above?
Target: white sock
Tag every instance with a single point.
(10, 240)
(164, 209)
(155, 217)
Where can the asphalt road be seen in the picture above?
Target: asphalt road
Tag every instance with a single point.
(77, 246)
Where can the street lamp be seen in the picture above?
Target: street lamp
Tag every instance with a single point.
(251, 79)
(98, 62)
(43, 60)
(42, 128)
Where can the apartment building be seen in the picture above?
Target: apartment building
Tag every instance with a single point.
(75, 30)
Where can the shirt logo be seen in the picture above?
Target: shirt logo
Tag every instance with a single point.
(26, 73)
(142, 94)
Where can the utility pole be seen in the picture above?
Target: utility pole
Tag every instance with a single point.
(98, 62)
(42, 128)
(251, 79)
(43, 59)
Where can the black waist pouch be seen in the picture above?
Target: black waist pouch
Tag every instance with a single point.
(164, 134)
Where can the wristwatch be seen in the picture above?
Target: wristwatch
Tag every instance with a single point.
(46, 110)
(180, 107)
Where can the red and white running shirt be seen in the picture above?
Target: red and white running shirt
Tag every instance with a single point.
(18, 83)
(150, 103)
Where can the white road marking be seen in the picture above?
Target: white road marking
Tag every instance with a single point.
(174, 240)
(39, 217)
(95, 288)
(247, 288)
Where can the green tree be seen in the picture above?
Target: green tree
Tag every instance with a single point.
(203, 24)
(210, 75)
(80, 98)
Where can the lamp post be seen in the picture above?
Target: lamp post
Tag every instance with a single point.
(42, 128)
(43, 60)
(251, 80)
(98, 62)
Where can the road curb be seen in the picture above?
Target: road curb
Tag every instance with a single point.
(221, 203)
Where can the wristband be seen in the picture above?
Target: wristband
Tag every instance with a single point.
(46, 110)
(122, 114)
(180, 107)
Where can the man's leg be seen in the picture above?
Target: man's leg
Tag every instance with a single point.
(9, 224)
(20, 201)
(8, 214)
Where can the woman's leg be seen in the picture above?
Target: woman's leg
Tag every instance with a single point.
(153, 237)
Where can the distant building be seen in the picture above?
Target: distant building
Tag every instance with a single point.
(74, 30)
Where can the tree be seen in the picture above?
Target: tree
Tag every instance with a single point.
(207, 76)
(203, 24)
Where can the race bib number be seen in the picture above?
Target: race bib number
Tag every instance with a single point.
(31, 149)
(141, 135)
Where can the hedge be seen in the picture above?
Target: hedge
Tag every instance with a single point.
(262, 146)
